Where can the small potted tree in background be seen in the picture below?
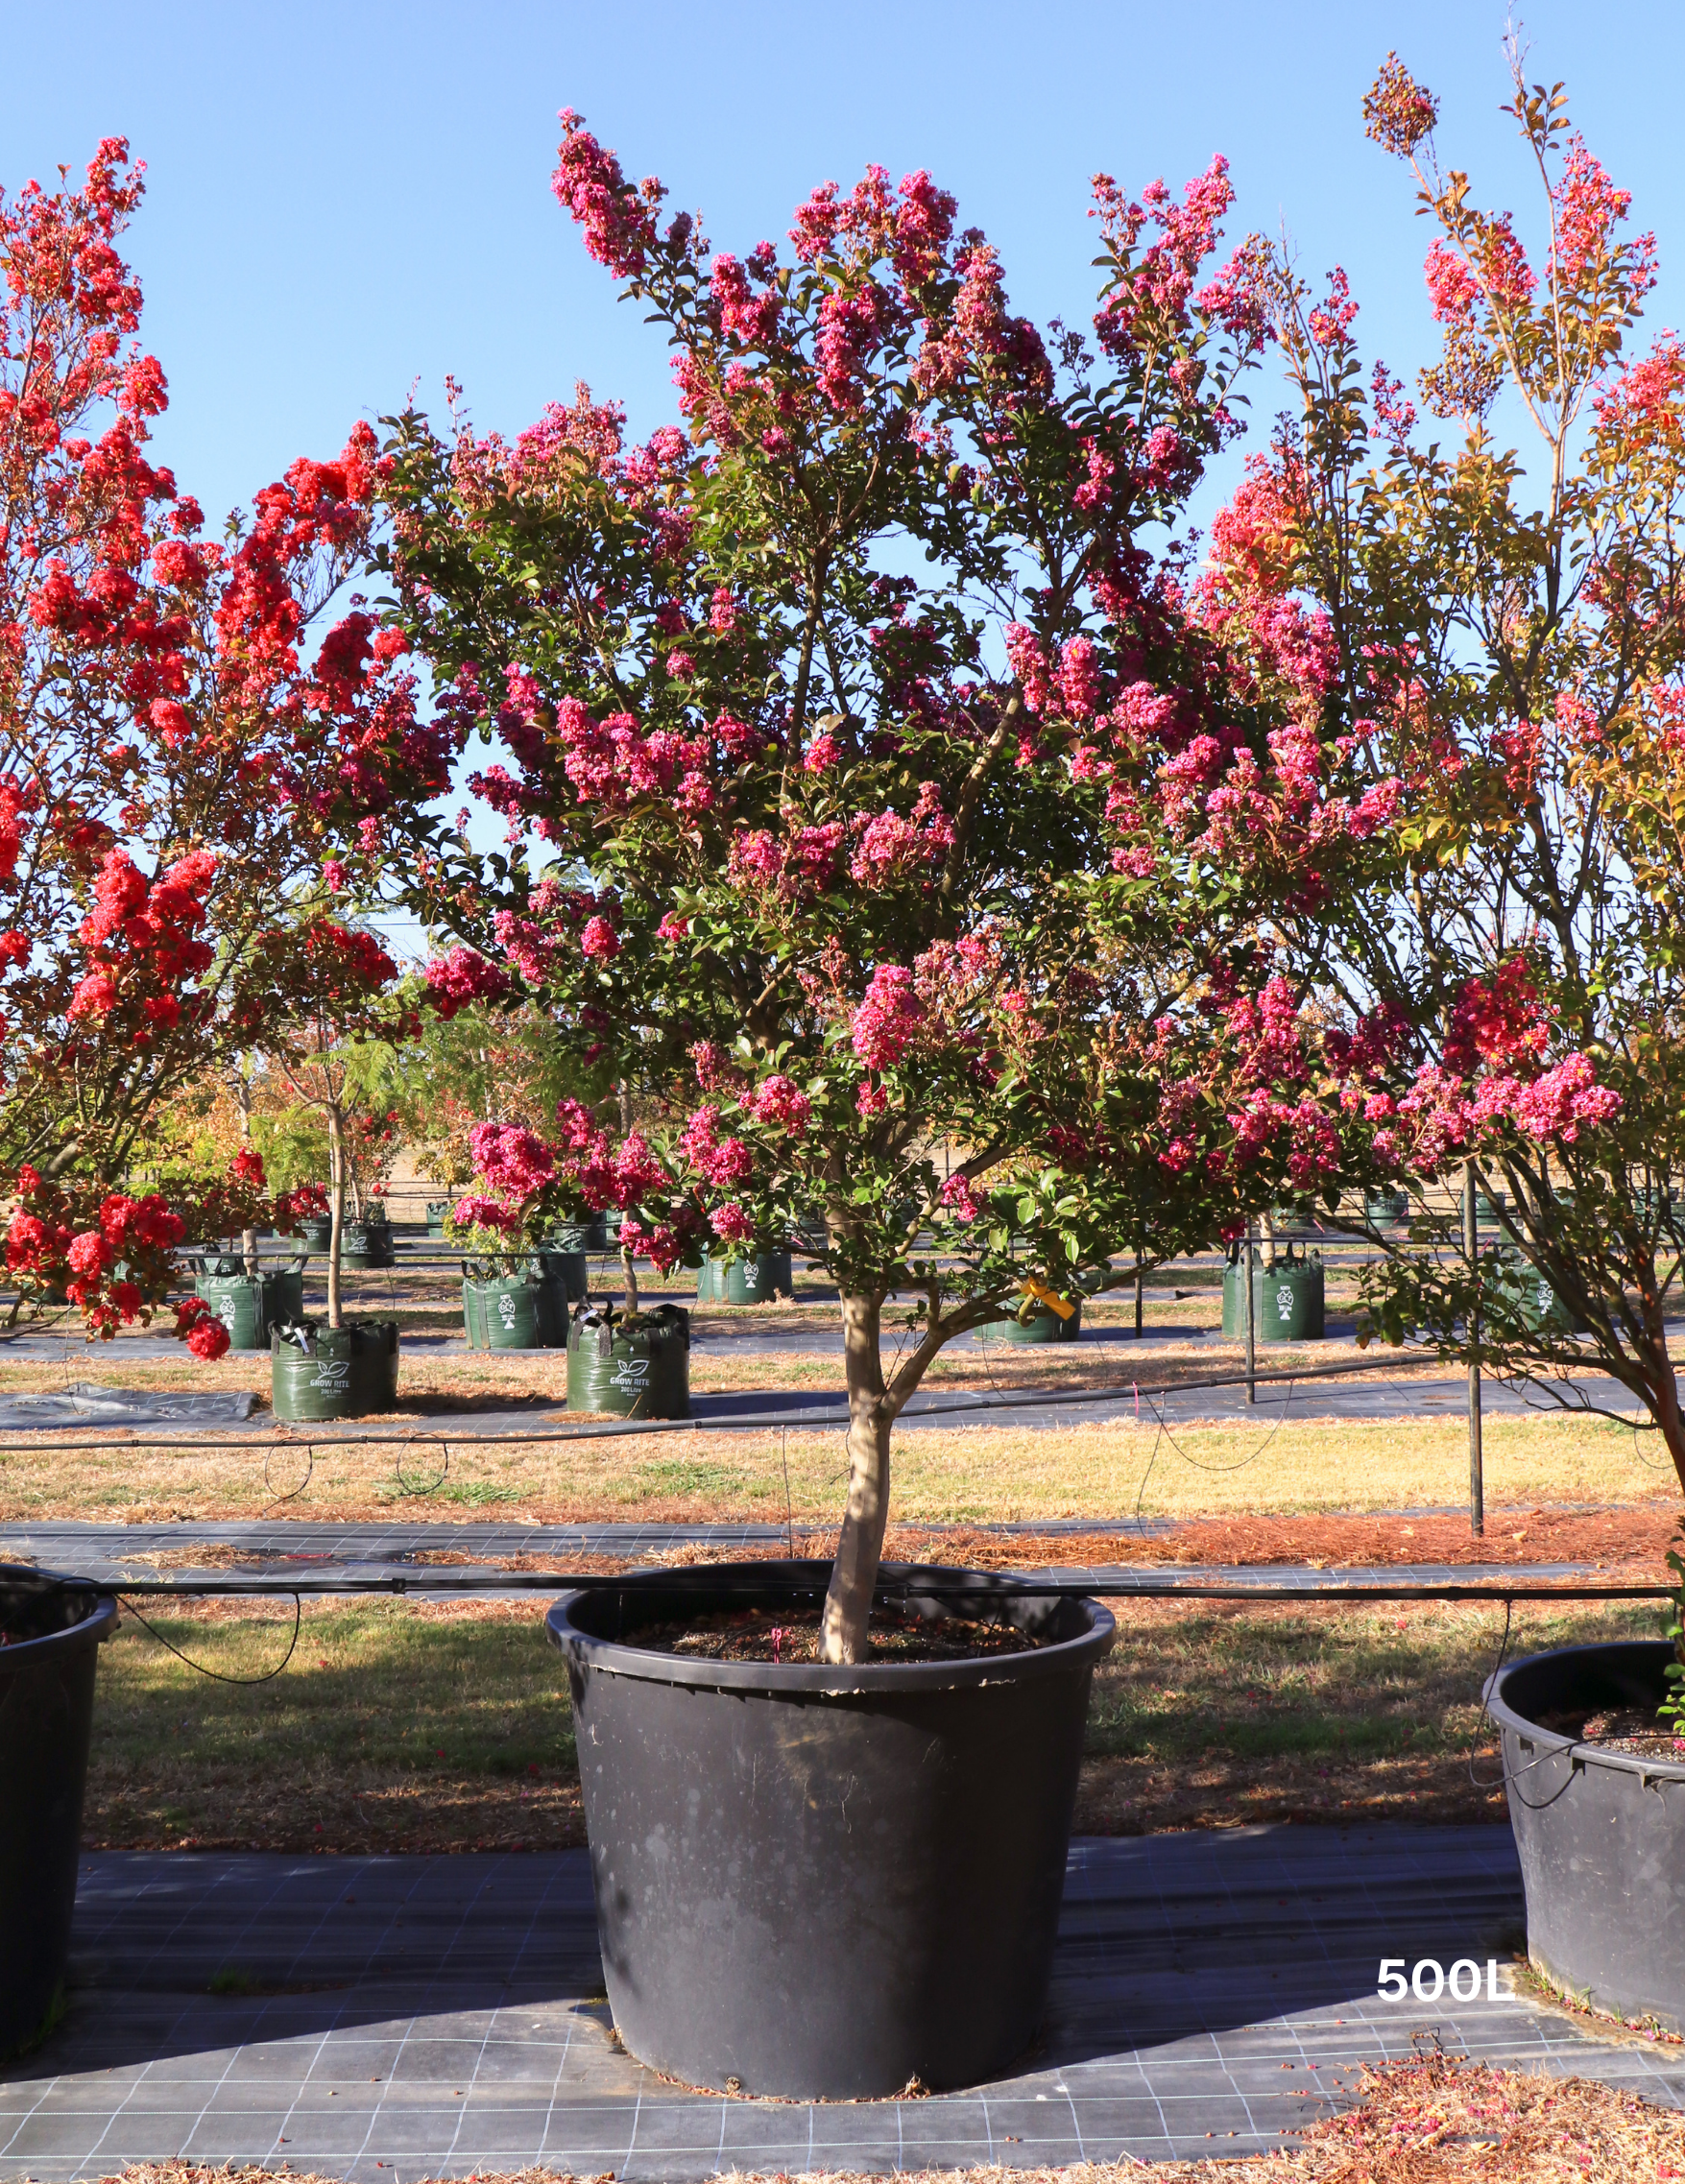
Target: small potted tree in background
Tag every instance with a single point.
(335, 987)
(849, 865)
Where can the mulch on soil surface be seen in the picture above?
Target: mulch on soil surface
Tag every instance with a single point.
(1418, 2123)
(1605, 1538)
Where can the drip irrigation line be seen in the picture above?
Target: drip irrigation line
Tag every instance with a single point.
(922, 1581)
(215, 1674)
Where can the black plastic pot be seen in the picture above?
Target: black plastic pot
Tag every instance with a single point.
(55, 1626)
(821, 1882)
(1600, 1833)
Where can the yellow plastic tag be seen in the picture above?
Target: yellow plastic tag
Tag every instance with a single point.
(1043, 1295)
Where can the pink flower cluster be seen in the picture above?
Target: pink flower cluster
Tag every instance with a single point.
(778, 1099)
(461, 976)
(889, 1018)
(723, 1162)
(890, 847)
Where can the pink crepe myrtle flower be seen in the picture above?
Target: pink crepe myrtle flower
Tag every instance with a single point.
(600, 941)
(778, 1099)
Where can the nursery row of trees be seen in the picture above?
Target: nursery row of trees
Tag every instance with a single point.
(885, 768)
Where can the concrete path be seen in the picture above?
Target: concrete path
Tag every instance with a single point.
(388, 2019)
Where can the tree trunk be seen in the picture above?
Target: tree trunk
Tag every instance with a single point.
(1267, 1223)
(248, 1236)
(628, 1273)
(853, 1576)
(336, 1173)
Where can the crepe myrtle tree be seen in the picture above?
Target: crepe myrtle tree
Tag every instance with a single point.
(184, 740)
(923, 916)
(1505, 629)
(326, 1006)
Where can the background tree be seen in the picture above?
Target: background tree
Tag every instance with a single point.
(1506, 629)
(876, 754)
(173, 764)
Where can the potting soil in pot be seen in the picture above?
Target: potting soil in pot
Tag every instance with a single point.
(771, 1633)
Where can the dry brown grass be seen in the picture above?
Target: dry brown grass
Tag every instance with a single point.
(1430, 2122)
(967, 1474)
(408, 1727)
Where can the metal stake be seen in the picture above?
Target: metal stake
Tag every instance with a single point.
(1251, 1324)
(1477, 1477)
(1138, 1296)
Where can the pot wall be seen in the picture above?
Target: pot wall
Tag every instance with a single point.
(1600, 1835)
(825, 1882)
(46, 1714)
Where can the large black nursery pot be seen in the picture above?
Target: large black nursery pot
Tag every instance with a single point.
(1600, 1833)
(53, 1628)
(824, 1883)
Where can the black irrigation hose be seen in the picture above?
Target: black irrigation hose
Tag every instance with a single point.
(926, 1579)
(215, 1674)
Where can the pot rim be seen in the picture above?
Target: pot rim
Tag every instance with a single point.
(1553, 1742)
(615, 1657)
(96, 1627)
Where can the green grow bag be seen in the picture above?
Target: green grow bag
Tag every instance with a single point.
(634, 1365)
(514, 1312)
(328, 1373)
(1386, 1209)
(1287, 1302)
(251, 1305)
(1487, 1208)
(1043, 1325)
(367, 1243)
(1533, 1299)
(317, 1232)
(754, 1281)
(568, 1274)
(438, 1209)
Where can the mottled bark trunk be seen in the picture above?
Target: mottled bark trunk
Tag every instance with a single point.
(248, 1236)
(853, 1576)
(336, 1185)
(628, 1273)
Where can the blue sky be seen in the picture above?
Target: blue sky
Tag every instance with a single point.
(348, 200)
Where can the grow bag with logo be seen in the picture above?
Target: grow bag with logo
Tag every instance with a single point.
(53, 1626)
(438, 1212)
(1600, 1833)
(1533, 1297)
(325, 1372)
(250, 1304)
(1289, 1302)
(317, 1232)
(753, 1280)
(367, 1243)
(514, 1312)
(635, 1365)
(823, 1882)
